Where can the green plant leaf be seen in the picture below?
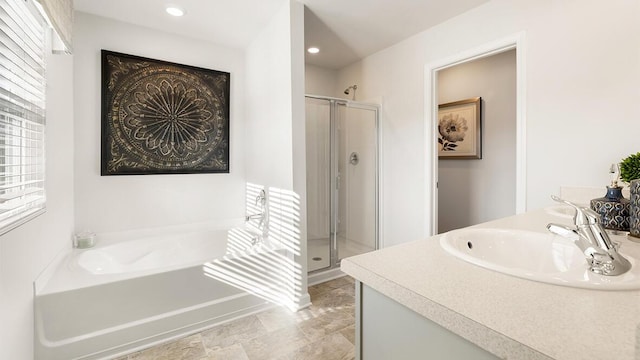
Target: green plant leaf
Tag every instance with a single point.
(630, 168)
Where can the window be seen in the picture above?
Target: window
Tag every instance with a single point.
(22, 113)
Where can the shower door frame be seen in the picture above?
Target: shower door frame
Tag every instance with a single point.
(334, 261)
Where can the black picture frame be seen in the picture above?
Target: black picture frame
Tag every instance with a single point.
(160, 117)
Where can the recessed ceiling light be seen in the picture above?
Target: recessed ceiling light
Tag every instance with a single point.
(313, 50)
(174, 11)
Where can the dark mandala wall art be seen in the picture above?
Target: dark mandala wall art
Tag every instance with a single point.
(163, 118)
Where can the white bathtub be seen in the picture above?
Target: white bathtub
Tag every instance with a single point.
(139, 288)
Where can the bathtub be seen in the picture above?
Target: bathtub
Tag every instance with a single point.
(137, 289)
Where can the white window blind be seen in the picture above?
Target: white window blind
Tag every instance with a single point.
(22, 113)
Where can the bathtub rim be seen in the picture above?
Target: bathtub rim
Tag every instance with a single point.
(112, 237)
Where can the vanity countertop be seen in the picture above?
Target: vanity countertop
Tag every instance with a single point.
(510, 317)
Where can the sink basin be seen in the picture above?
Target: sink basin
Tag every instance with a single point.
(534, 256)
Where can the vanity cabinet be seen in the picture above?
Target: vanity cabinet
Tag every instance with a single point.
(417, 301)
(387, 330)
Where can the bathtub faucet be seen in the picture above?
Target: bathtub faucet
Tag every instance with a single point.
(261, 200)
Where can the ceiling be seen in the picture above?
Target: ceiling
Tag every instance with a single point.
(344, 30)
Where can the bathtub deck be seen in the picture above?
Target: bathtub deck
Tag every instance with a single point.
(323, 331)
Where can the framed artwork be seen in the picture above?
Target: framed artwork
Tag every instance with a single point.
(460, 130)
(163, 118)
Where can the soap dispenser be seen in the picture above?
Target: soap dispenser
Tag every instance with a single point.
(613, 208)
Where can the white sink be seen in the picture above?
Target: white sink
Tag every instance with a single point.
(535, 256)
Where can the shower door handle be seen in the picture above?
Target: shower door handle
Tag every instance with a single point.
(354, 159)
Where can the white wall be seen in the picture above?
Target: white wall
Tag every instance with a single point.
(28, 249)
(475, 191)
(581, 84)
(109, 203)
(320, 81)
(269, 155)
(275, 148)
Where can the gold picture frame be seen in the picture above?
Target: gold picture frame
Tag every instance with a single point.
(460, 129)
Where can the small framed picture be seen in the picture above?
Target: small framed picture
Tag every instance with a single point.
(460, 130)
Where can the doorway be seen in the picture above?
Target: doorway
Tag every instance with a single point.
(473, 191)
(433, 198)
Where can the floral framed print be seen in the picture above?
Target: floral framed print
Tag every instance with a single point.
(163, 118)
(460, 129)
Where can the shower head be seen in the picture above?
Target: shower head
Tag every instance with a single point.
(348, 90)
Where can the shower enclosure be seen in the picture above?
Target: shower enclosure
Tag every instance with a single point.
(342, 180)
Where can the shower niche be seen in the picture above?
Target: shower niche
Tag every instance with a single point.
(342, 180)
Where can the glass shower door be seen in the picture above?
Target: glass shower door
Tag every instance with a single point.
(342, 180)
(319, 164)
(357, 179)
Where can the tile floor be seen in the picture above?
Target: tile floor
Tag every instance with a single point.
(324, 331)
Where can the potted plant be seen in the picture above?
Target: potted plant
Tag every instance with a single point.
(630, 173)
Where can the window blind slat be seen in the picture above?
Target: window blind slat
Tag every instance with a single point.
(24, 28)
(14, 53)
(22, 102)
(18, 45)
(21, 83)
(11, 114)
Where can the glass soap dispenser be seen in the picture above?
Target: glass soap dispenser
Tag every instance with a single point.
(613, 207)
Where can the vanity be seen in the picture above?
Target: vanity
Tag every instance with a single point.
(418, 301)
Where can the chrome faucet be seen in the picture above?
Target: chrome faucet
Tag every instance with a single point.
(601, 253)
(261, 200)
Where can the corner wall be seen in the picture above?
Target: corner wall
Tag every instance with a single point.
(275, 150)
(581, 83)
(28, 249)
(111, 203)
(269, 152)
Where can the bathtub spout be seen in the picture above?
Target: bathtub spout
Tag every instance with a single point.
(254, 216)
(261, 224)
(261, 200)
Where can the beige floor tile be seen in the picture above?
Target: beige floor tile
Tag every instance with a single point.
(340, 298)
(350, 289)
(233, 333)
(316, 290)
(276, 334)
(349, 333)
(330, 322)
(189, 348)
(276, 344)
(278, 318)
(331, 347)
(325, 287)
(340, 282)
(233, 352)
